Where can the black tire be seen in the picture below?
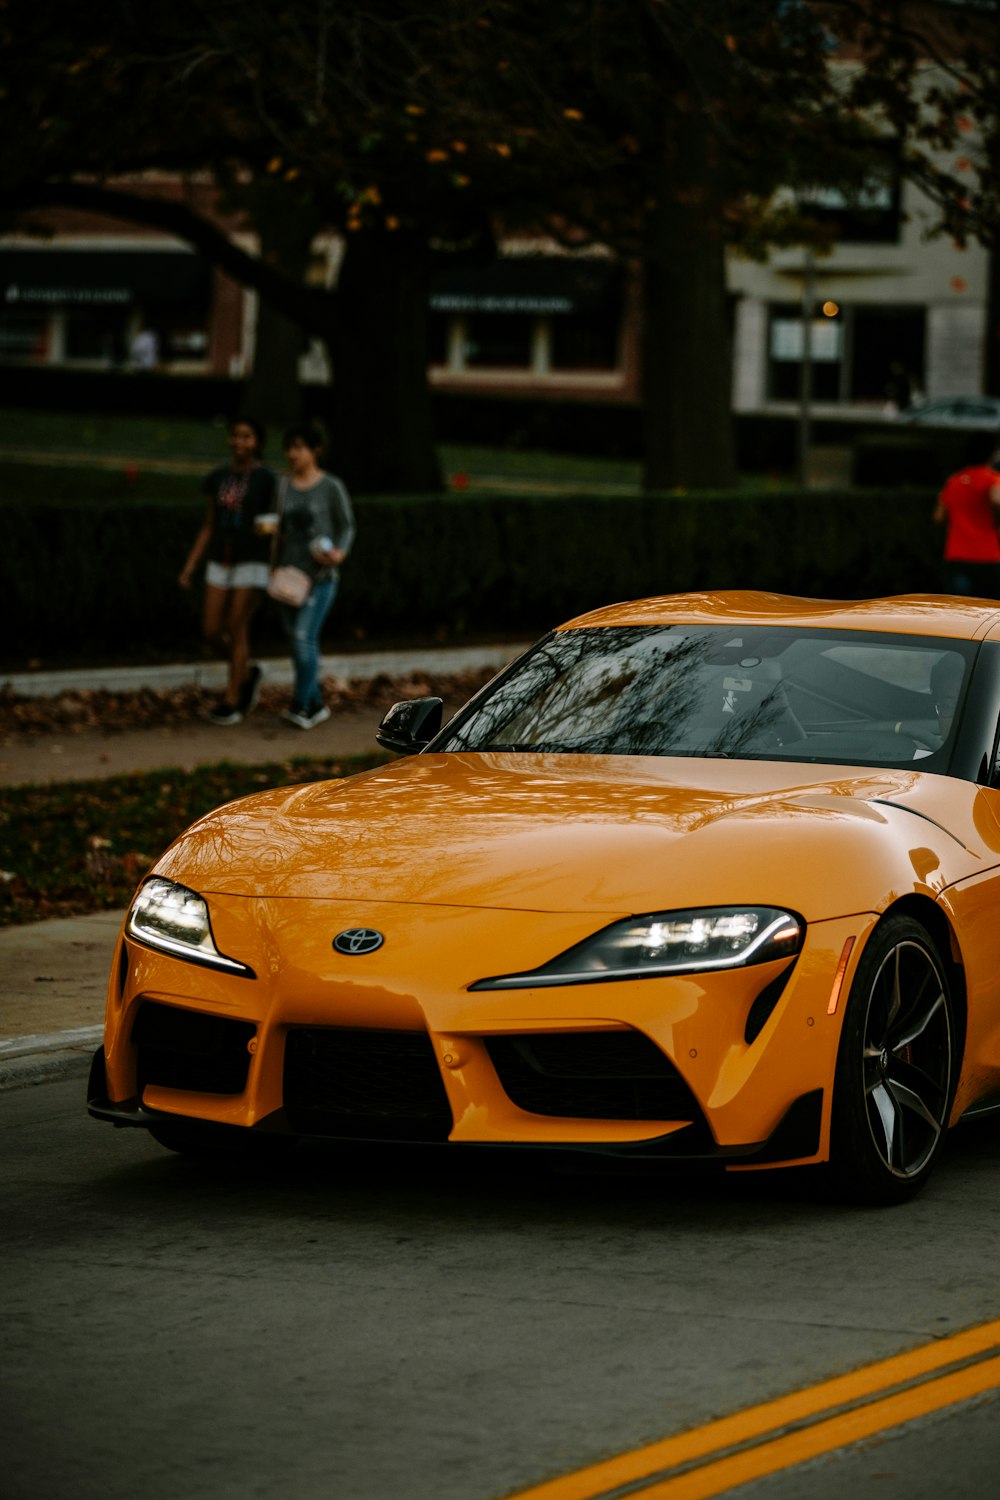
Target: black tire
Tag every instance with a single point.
(197, 1139)
(896, 1067)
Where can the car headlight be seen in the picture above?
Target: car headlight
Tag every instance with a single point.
(668, 942)
(175, 920)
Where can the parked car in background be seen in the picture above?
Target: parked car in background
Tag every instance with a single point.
(954, 411)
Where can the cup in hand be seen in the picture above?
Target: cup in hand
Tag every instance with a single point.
(319, 546)
(266, 524)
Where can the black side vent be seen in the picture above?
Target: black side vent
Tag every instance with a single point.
(186, 1049)
(591, 1075)
(760, 1010)
(364, 1085)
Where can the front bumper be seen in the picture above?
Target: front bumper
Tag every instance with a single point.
(795, 1138)
(748, 1055)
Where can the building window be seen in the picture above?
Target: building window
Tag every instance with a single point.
(96, 337)
(868, 216)
(25, 336)
(887, 354)
(498, 340)
(585, 343)
(868, 354)
(539, 314)
(185, 343)
(785, 351)
(87, 303)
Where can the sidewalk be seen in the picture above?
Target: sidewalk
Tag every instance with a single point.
(80, 755)
(363, 664)
(54, 972)
(52, 997)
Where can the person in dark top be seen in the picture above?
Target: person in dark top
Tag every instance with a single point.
(236, 547)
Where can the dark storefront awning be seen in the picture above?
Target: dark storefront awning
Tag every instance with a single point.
(102, 278)
(541, 285)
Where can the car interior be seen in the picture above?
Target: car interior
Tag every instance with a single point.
(849, 697)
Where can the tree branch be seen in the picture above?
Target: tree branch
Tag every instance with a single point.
(312, 308)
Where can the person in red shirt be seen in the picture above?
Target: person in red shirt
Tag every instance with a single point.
(970, 504)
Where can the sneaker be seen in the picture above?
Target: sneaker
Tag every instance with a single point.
(224, 713)
(308, 719)
(250, 691)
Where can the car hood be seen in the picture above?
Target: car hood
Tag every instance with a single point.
(610, 834)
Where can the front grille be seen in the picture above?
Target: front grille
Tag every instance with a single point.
(364, 1085)
(187, 1049)
(591, 1075)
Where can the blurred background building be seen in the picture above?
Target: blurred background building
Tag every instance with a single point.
(896, 316)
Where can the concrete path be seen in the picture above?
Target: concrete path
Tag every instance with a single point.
(81, 755)
(345, 666)
(52, 995)
(99, 753)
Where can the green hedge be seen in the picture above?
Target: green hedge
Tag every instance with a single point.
(101, 577)
(908, 456)
(66, 483)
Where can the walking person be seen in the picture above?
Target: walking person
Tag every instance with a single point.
(970, 506)
(315, 534)
(236, 569)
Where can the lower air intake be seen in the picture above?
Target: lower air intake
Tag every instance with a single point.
(364, 1085)
(187, 1049)
(591, 1075)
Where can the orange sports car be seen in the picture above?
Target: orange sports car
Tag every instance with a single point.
(712, 878)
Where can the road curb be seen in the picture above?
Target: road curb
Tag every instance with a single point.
(27, 1060)
(360, 666)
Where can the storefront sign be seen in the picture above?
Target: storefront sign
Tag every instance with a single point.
(89, 296)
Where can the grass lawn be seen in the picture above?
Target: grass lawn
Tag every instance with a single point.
(79, 847)
(123, 458)
(142, 439)
(85, 483)
(171, 452)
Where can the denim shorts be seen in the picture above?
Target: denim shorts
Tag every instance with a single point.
(244, 575)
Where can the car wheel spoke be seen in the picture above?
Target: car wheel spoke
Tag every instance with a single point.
(907, 1099)
(895, 994)
(887, 1118)
(931, 1087)
(917, 1028)
(872, 1072)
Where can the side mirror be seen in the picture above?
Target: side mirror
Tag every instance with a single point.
(410, 726)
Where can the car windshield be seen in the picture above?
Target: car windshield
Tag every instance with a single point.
(743, 692)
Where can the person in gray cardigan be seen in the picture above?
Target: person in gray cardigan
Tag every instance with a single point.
(315, 533)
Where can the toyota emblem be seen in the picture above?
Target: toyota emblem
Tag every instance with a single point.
(356, 940)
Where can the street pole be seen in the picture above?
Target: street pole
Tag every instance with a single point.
(805, 369)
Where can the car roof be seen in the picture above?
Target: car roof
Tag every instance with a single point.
(904, 614)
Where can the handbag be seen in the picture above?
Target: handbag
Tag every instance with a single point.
(287, 584)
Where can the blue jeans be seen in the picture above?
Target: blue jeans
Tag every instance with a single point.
(303, 626)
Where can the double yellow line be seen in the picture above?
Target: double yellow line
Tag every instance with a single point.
(793, 1429)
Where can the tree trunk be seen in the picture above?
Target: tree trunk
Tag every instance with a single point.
(991, 359)
(687, 359)
(383, 435)
(272, 392)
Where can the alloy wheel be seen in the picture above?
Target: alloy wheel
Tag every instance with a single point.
(907, 1058)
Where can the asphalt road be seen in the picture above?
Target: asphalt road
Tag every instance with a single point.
(430, 1326)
